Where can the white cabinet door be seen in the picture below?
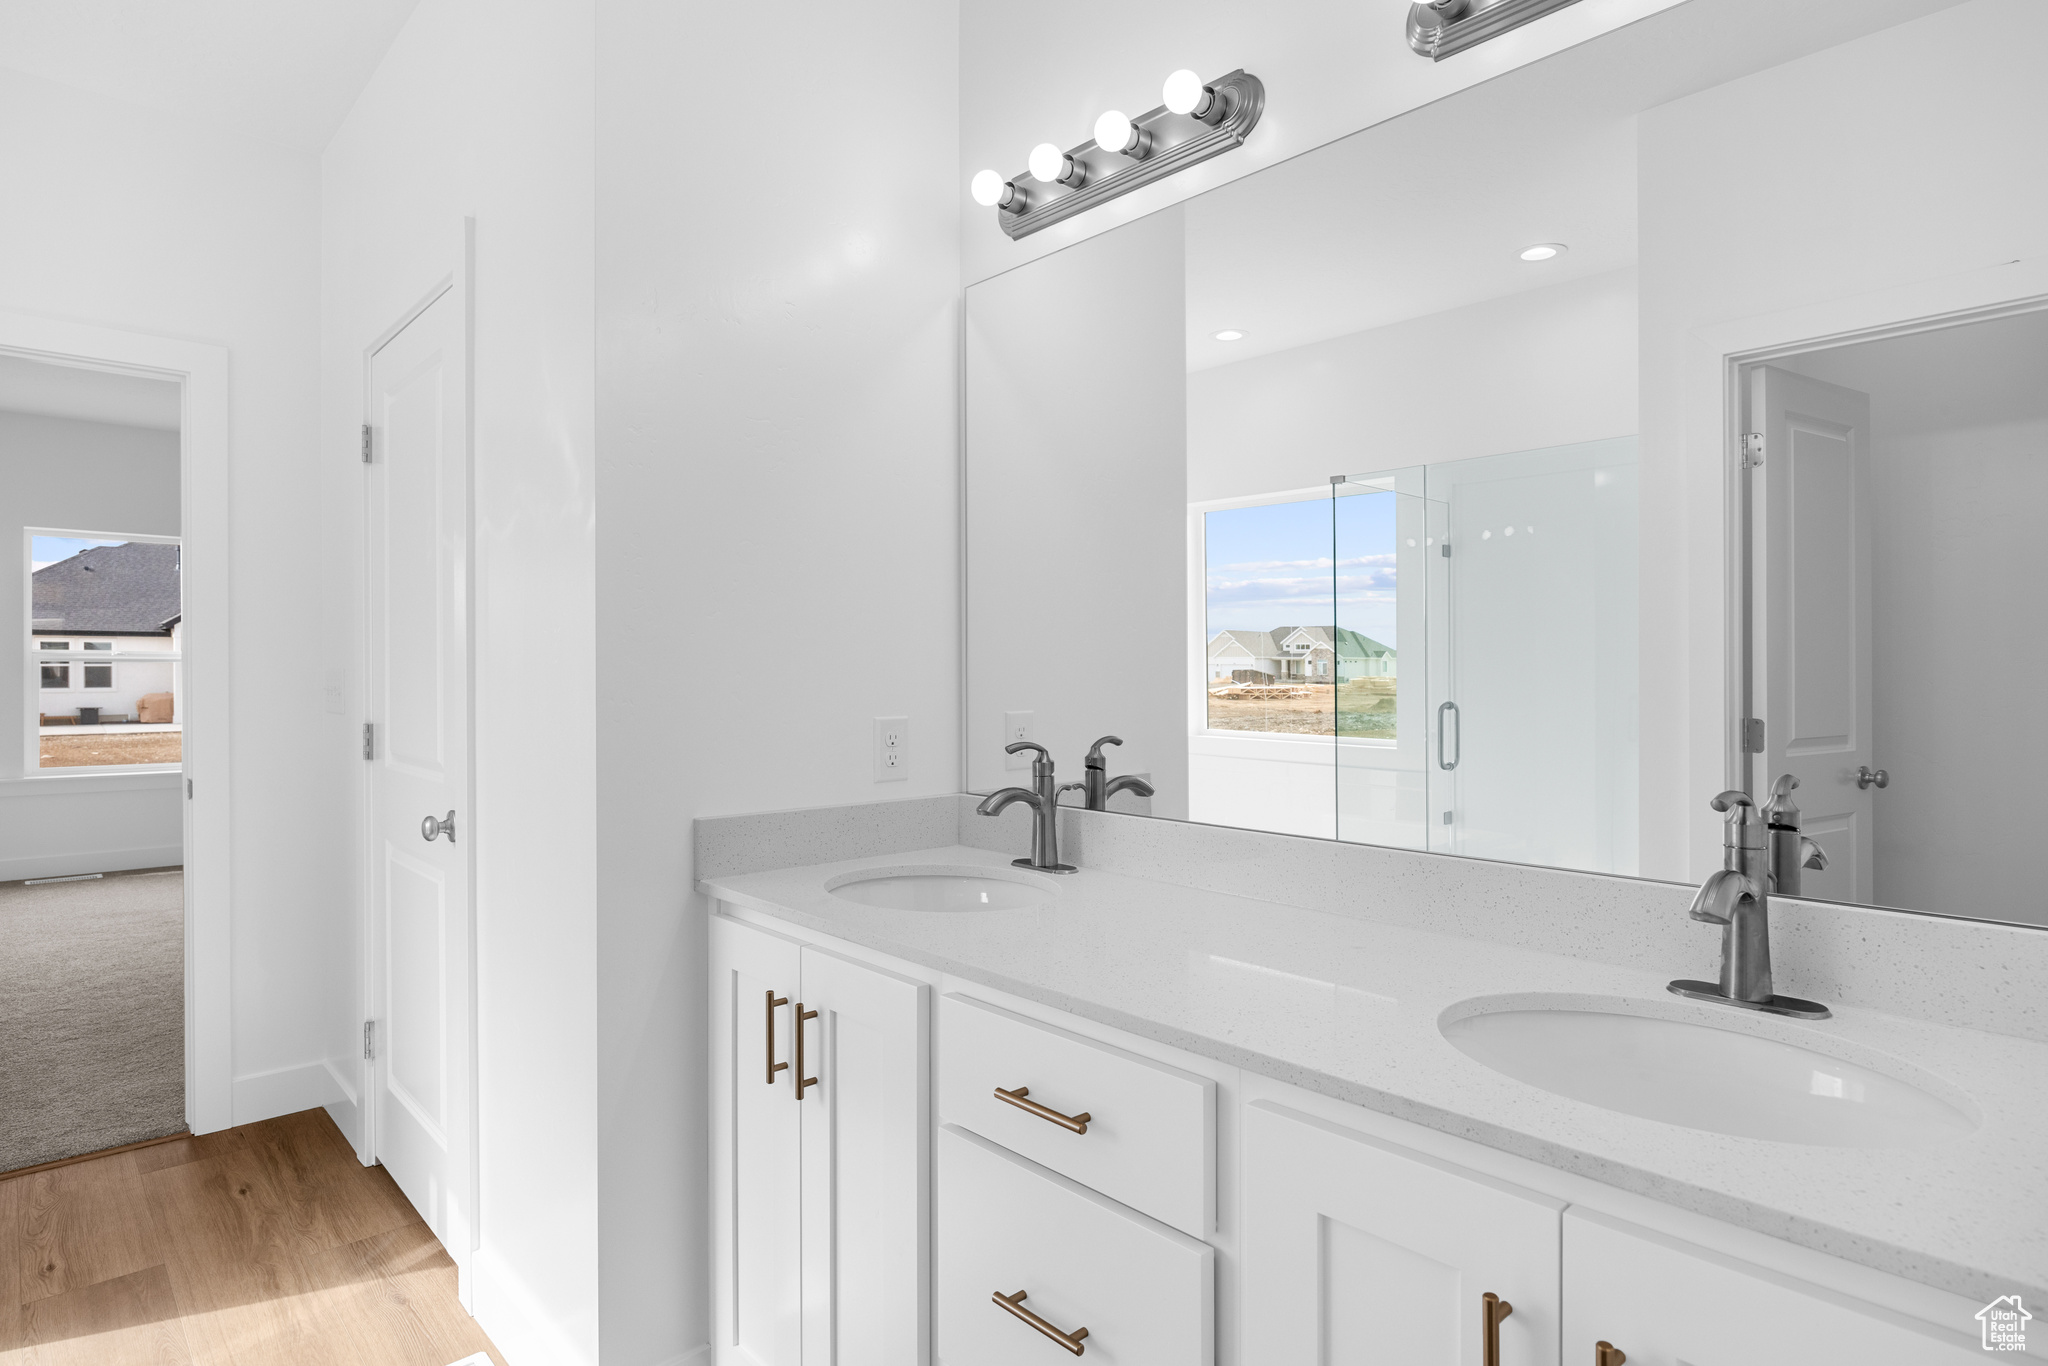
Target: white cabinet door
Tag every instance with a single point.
(866, 1165)
(1357, 1252)
(756, 1157)
(1668, 1303)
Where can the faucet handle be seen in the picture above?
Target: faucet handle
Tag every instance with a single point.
(1734, 797)
(1044, 754)
(1094, 759)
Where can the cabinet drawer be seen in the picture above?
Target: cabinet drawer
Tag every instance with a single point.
(1151, 1136)
(1144, 1292)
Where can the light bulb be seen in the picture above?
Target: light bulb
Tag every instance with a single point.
(1230, 334)
(1113, 131)
(1543, 251)
(1182, 93)
(1047, 161)
(987, 189)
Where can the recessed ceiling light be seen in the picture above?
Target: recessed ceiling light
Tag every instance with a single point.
(1230, 334)
(1544, 251)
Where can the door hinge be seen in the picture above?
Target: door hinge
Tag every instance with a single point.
(1753, 735)
(366, 443)
(369, 1041)
(1447, 550)
(1752, 449)
(369, 739)
(188, 789)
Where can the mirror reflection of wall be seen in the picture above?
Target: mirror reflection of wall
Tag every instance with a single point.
(1899, 642)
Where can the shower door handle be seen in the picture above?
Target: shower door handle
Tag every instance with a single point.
(1447, 756)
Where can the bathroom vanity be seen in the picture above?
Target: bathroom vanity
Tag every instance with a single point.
(1211, 1127)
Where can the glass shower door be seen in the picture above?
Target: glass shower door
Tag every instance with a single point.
(1532, 654)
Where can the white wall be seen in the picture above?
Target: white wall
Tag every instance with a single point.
(1905, 156)
(60, 472)
(778, 272)
(143, 220)
(1076, 511)
(1549, 367)
(485, 109)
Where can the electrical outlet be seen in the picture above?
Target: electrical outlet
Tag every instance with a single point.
(1017, 726)
(892, 749)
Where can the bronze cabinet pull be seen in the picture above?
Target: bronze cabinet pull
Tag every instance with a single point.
(1019, 1098)
(774, 1066)
(1492, 1309)
(1015, 1304)
(1607, 1354)
(802, 1081)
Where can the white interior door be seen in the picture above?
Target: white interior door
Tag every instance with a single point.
(418, 704)
(1812, 614)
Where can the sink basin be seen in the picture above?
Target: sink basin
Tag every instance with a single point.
(1686, 1070)
(942, 889)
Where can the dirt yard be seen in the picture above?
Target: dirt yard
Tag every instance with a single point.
(1365, 708)
(111, 747)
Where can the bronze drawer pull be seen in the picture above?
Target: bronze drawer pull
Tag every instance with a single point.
(774, 1066)
(1078, 1123)
(1607, 1354)
(802, 1081)
(1015, 1304)
(1492, 1309)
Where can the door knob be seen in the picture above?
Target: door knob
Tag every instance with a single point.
(430, 828)
(1868, 777)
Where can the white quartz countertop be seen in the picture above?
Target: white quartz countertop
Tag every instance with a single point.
(1349, 1007)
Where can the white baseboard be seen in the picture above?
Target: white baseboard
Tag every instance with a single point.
(345, 1109)
(523, 1333)
(100, 861)
(288, 1090)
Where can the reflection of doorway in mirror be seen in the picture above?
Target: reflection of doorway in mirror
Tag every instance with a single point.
(1896, 619)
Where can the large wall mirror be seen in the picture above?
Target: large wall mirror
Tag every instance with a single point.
(1323, 492)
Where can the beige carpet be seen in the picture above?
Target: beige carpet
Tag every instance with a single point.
(92, 1015)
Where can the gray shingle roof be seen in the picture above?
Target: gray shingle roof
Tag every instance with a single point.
(1350, 644)
(118, 590)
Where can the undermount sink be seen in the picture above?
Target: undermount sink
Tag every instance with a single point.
(943, 889)
(1661, 1064)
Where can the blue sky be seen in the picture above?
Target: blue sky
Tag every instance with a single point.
(1275, 565)
(50, 549)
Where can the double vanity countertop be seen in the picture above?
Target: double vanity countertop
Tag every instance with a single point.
(1353, 1008)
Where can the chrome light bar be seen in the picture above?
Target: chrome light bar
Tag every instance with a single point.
(1438, 28)
(1161, 143)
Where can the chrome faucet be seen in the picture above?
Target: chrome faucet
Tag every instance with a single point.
(1790, 850)
(1043, 797)
(1098, 786)
(1737, 898)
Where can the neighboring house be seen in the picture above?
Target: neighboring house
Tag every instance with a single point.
(111, 600)
(1299, 652)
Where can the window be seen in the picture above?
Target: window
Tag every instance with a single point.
(112, 700)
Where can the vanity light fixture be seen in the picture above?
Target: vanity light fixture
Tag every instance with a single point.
(1230, 334)
(1544, 251)
(1197, 120)
(1438, 28)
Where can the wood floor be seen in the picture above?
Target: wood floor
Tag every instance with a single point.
(268, 1245)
